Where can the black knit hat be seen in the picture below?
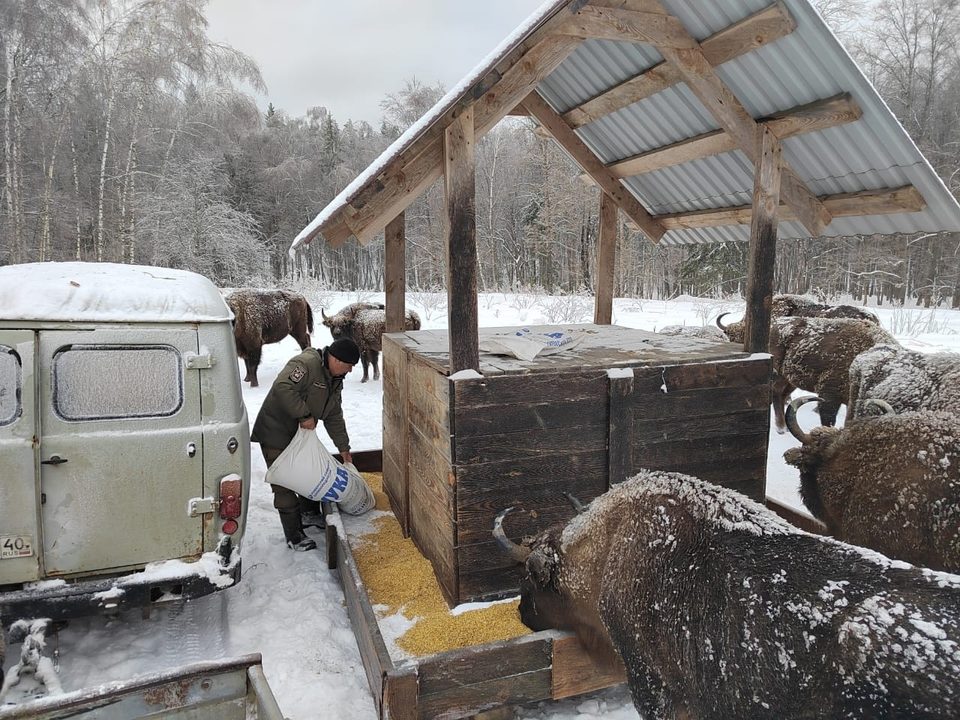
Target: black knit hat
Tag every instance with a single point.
(345, 350)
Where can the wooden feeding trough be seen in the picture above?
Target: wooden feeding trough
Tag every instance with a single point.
(460, 683)
(458, 449)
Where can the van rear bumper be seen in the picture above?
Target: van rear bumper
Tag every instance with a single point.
(115, 594)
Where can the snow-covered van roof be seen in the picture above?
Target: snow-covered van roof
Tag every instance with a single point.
(97, 292)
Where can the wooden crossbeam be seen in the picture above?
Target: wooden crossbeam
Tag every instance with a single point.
(603, 23)
(700, 76)
(740, 38)
(904, 199)
(592, 165)
(412, 173)
(814, 116)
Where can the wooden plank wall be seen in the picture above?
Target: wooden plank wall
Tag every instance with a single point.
(522, 441)
(395, 476)
(710, 421)
(430, 469)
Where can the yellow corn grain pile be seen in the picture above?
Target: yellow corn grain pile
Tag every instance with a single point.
(399, 577)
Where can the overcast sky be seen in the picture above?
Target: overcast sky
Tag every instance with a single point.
(347, 56)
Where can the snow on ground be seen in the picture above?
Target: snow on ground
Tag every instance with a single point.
(289, 607)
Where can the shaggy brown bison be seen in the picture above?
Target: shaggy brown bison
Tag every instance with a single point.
(365, 325)
(267, 316)
(889, 483)
(814, 354)
(720, 609)
(798, 306)
(905, 379)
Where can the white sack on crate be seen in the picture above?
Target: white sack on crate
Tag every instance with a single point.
(308, 468)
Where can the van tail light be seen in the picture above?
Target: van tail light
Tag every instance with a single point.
(231, 502)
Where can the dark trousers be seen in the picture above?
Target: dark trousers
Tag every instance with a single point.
(285, 500)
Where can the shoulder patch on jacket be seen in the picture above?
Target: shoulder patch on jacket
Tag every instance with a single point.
(297, 374)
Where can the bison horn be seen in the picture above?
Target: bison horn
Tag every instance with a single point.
(719, 324)
(884, 407)
(791, 418)
(517, 552)
(577, 505)
(323, 314)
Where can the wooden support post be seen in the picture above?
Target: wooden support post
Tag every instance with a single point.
(606, 262)
(394, 273)
(460, 188)
(763, 241)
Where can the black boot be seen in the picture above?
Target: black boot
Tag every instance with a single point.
(293, 530)
(311, 514)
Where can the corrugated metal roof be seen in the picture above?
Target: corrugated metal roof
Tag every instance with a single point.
(806, 65)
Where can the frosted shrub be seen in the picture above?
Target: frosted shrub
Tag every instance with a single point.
(910, 323)
(313, 289)
(432, 304)
(524, 300)
(567, 309)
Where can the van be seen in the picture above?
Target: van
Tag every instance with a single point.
(124, 440)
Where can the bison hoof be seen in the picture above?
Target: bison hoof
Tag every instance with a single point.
(363, 380)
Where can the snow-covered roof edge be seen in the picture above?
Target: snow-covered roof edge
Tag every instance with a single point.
(413, 133)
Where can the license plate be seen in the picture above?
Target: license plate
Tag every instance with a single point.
(15, 546)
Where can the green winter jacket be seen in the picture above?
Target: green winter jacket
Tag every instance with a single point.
(304, 388)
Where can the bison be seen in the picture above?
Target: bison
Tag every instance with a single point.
(365, 325)
(814, 354)
(720, 609)
(889, 483)
(267, 316)
(799, 306)
(905, 379)
(703, 332)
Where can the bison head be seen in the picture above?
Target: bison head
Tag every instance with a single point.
(560, 589)
(339, 325)
(541, 592)
(733, 331)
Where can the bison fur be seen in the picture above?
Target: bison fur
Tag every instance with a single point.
(815, 354)
(267, 316)
(890, 483)
(365, 326)
(905, 379)
(720, 609)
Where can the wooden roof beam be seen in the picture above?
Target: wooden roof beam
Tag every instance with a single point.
(403, 182)
(604, 23)
(906, 199)
(584, 156)
(732, 116)
(818, 115)
(740, 38)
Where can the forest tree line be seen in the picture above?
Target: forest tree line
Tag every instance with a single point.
(128, 135)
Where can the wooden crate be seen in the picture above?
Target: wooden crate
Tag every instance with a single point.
(459, 683)
(457, 450)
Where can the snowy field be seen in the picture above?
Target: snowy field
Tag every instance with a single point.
(289, 607)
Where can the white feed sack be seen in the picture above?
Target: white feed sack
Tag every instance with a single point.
(308, 468)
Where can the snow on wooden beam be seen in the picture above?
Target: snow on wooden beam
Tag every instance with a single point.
(408, 176)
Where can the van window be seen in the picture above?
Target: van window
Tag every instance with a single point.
(101, 382)
(10, 379)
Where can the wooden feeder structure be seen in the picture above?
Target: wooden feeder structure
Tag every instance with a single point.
(700, 121)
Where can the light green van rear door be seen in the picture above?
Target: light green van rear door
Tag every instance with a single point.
(120, 448)
(19, 496)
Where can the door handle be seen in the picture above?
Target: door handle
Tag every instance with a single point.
(54, 460)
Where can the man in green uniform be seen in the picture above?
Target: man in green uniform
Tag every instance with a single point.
(308, 389)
